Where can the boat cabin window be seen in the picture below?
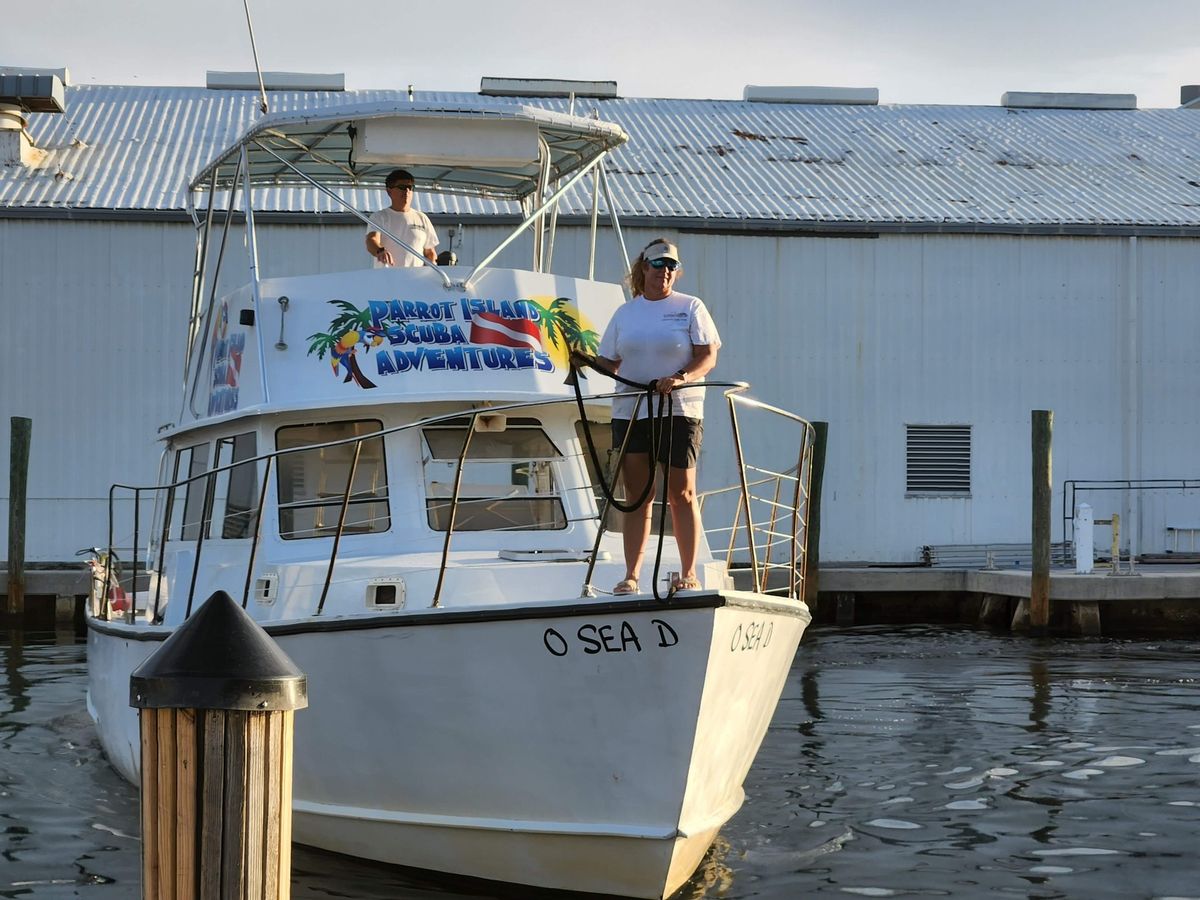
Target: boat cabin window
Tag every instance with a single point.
(311, 483)
(507, 481)
(191, 462)
(237, 487)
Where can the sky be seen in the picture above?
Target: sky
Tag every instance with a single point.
(913, 51)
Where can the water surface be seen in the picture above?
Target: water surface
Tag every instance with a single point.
(914, 762)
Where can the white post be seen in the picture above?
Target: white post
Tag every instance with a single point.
(1084, 536)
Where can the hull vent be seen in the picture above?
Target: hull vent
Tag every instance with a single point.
(386, 593)
(266, 588)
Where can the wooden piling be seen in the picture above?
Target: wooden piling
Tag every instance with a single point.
(1039, 589)
(21, 429)
(993, 610)
(812, 558)
(1085, 618)
(216, 734)
(844, 614)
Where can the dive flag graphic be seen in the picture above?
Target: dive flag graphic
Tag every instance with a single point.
(489, 328)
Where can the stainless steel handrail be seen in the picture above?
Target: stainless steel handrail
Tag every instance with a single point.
(758, 538)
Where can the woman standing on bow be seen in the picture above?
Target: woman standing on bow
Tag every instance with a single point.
(664, 336)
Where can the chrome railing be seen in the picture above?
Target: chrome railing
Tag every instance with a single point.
(768, 535)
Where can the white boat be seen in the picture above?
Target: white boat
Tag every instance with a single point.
(386, 468)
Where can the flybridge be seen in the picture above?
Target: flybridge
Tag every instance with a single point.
(501, 319)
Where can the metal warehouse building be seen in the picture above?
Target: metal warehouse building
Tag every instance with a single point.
(921, 277)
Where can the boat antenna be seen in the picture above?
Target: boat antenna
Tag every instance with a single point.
(262, 88)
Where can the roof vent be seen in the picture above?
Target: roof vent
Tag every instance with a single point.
(276, 81)
(1189, 95)
(32, 92)
(63, 74)
(546, 87)
(22, 94)
(840, 96)
(1047, 100)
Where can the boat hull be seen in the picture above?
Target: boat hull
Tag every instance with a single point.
(588, 746)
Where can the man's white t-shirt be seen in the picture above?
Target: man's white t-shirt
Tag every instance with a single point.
(653, 339)
(412, 226)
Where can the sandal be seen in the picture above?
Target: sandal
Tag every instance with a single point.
(690, 583)
(628, 586)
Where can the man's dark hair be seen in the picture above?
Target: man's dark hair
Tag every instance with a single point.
(396, 176)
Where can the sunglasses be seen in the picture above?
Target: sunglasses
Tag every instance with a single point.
(402, 187)
(669, 264)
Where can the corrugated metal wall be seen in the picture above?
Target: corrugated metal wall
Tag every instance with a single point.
(868, 334)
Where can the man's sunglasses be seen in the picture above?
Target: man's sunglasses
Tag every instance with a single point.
(669, 264)
(402, 187)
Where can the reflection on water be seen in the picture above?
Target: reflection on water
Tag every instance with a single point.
(902, 761)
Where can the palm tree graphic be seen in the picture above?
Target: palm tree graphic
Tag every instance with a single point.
(561, 323)
(347, 330)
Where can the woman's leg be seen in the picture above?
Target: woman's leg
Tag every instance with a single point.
(685, 517)
(635, 469)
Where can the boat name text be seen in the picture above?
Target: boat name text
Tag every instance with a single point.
(753, 636)
(608, 638)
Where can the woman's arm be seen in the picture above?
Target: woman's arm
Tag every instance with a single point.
(704, 360)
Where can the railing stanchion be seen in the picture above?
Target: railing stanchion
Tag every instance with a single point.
(205, 512)
(741, 464)
(131, 613)
(258, 517)
(109, 558)
(337, 537)
(462, 461)
(168, 509)
(612, 479)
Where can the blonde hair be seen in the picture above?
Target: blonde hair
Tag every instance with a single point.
(637, 272)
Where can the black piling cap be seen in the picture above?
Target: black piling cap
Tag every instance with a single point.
(220, 658)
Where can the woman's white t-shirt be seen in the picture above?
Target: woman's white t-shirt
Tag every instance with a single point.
(654, 339)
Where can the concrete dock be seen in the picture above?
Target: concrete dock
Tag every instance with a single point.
(1159, 597)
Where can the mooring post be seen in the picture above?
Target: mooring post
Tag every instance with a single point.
(1039, 588)
(217, 703)
(812, 558)
(18, 478)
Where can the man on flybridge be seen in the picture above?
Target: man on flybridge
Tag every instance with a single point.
(410, 225)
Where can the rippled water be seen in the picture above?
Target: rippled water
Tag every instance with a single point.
(912, 761)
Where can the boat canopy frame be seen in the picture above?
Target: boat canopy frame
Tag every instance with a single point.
(541, 155)
(323, 146)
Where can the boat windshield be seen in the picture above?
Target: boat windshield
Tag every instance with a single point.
(507, 481)
(311, 483)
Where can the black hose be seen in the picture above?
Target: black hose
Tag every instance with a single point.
(656, 429)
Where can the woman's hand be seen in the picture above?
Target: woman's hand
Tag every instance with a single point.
(669, 383)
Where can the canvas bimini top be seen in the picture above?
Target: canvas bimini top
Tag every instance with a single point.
(506, 153)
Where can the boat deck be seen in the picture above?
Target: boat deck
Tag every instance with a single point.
(849, 593)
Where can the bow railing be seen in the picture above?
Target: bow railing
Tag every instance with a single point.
(767, 504)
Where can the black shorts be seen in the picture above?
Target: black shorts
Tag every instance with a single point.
(685, 437)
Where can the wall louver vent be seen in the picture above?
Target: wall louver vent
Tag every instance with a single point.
(938, 460)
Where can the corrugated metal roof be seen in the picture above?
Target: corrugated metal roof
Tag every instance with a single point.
(134, 148)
